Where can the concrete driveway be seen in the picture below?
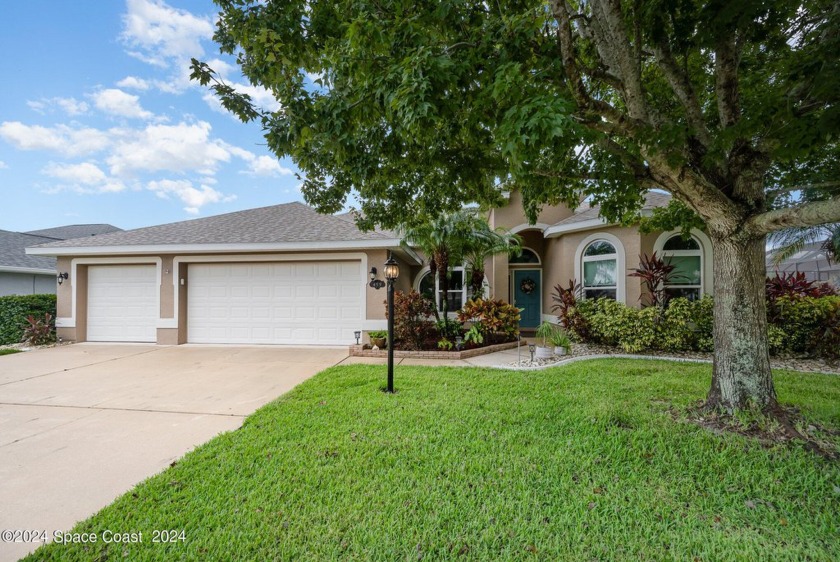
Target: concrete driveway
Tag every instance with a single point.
(81, 424)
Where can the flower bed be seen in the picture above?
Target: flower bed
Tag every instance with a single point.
(364, 351)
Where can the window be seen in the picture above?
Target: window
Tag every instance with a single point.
(600, 270)
(455, 297)
(528, 256)
(687, 259)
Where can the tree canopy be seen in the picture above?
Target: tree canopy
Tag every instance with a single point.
(419, 107)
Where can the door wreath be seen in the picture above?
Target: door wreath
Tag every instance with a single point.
(527, 286)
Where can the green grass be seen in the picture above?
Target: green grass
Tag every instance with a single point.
(8, 351)
(583, 462)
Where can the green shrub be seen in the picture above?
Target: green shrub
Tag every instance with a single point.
(684, 326)
(808, 324)
(14, 310)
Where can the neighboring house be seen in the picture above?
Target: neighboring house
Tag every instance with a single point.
(22, 274)
(810, 260)
(288, 275)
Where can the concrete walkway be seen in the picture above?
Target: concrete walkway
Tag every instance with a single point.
(82, 424)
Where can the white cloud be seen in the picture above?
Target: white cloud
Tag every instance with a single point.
(176, 148)
(194, 198)
(61, 138)
(70, 106)
(267, 166)
(158, 33)
(3, 165)
(85, 177)
(260, 96)
(134, 83)
(117, 102)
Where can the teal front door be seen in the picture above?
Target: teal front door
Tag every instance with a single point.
(527, 288)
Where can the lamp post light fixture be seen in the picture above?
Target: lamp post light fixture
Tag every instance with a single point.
(459, 341)
(532, 348)
(392, 271)
(358, 335)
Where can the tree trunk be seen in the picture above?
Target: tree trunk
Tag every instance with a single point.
(741, 376)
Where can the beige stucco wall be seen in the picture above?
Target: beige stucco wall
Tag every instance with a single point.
(512, 214)
(560, 260)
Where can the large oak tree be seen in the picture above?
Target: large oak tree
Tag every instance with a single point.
(420, 106)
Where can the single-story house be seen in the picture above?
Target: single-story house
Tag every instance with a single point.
(22, 274)
(287, 275)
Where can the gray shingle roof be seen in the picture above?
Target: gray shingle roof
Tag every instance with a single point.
(586, 212)
(13, 253)
(278, 224)
(74, 231)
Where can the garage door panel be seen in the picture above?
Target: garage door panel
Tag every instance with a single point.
(122, 303)
(285, 302)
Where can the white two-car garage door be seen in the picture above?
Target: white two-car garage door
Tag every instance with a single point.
(122, 303)
(310, 303)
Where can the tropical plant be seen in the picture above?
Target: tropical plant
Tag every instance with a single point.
(413, 325)
(560, 338)
(546, 331)
(655, 274)
(795, 284)
(444, 239)
(39, 331)
(474, 334)
(565, 299)
(415, 112)
(485, 244)
(493, 317)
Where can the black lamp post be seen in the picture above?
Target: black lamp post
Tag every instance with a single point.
(392, 271)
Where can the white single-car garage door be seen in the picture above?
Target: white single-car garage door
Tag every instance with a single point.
(310, 303)
(122, 303)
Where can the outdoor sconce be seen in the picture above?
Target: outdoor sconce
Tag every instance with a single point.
(374, 282)
(532, 348)
(62, 276)
(358, 335)
(459, 341)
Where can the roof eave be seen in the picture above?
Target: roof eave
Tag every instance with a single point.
(138, 249)
(26, 270)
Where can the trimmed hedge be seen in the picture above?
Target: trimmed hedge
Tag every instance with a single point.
(13, 312)
(799, 325)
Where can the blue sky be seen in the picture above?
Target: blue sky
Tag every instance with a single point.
(99, 122)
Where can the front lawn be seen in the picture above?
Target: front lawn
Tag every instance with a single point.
(8, 351)
(583, 462)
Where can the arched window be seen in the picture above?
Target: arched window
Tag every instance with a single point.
(687, 258)
(600, 270)
(429, 286)
(528, 256)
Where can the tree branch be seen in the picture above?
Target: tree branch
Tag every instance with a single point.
(726, 82)
(682, 87)
(810, 214)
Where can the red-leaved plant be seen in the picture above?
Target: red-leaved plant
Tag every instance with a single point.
(796, 284)
(413, 320)
(565, 299)
(37, 331)
(655, 274)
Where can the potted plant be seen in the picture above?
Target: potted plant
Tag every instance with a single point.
(562, 343)
(546, 331)
(378, 338)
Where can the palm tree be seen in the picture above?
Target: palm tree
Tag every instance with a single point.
(789, 241)
(488, 243)
(452, 238)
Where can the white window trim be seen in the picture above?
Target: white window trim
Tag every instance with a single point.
(464, 286)
(621, 268)
(706, 280)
